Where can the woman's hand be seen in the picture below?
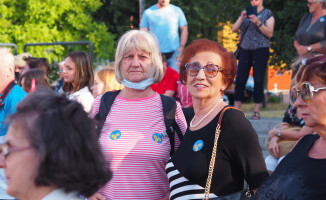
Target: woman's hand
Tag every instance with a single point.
(302, 50)
(254, 19)
(96, 196)
(273, 132)
(243, 15)
(273, 146)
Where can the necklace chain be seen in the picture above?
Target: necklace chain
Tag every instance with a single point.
(209, 112)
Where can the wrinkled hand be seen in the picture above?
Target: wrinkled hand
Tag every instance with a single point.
(273, 132)
(254, 19)
(97, 196)
(273, 147)
(302, 50)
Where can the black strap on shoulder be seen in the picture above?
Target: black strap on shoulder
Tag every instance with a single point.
(6, 91)
(169, 109)
(106, 103)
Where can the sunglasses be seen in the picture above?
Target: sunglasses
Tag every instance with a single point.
(306, 92)
(210, 70)
(6, 150)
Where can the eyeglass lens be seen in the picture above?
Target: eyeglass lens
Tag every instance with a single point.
(210, 70)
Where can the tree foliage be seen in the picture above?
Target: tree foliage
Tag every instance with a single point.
(33, 21)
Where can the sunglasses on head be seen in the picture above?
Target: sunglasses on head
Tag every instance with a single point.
(210, 70)
(306, 92)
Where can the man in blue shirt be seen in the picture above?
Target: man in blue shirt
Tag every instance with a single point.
(164, 20)
(10, 95)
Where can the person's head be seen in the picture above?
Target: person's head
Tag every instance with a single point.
(220, 68)
(78, 72)
(19, 61)
(32, 79)
(105, 81)
(316, 5)
(36, 63)
(138, 57)
(163, 3)
(51, 144)
(309, 92)
(7, 73)
(256, 2)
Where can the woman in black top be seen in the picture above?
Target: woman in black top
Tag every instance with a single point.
(310, 36)
(256, 32)
(208, 70)
(301, 174)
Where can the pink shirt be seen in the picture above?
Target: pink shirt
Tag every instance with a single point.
(183, 96)
(132, 143)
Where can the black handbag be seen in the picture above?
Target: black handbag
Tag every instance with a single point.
(238, 50)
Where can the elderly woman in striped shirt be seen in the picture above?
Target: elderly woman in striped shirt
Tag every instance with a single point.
(133, 137)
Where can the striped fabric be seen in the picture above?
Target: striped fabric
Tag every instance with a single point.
(133, 142)
(181, 188)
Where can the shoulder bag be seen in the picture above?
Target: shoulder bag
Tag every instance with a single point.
(238, 50)
(242, 195)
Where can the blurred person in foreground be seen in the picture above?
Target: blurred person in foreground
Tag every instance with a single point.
(51, 151)
(10, 95)
(134, 137)
(208, 69)
(256, 32)
(301, 174)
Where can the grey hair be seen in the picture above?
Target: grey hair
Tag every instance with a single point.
(322, 1)
(141, 41)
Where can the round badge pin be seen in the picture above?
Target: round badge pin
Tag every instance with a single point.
(115, 135)
(198, 145)
(322, 19)
(157, 138)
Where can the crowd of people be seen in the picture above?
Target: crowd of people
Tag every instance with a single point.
(153, 123)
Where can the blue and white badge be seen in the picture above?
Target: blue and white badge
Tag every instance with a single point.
(198, 145)
(157, 138)
(115, 135)
(322, 19)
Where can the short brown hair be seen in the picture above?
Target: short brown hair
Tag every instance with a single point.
(39, 76)
(229, 63)
(38, 63)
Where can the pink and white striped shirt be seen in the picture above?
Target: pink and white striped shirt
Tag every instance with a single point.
(131, 141)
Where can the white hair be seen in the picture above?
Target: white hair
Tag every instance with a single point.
(6, 59)
(142, 41)
(322, 1)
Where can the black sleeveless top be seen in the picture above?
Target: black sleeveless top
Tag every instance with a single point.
(298, 176)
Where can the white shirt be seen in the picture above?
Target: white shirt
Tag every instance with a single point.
(60, 194)
(84, 97)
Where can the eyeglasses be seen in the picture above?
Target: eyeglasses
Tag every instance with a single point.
(210, 70)
(306, 92)
(254, 0)
(6, 150)
(310, 3)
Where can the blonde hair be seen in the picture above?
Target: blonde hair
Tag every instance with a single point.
(140, 41)
(108, 78)
(19, 60)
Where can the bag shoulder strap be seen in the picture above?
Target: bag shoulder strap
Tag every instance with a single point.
(169, 108)
(106, 103)
(212, 162)
(244, 32)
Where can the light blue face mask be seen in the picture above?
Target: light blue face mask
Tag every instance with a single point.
(142, 85)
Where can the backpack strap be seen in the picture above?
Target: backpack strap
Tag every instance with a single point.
(169, 108)
(106, 103)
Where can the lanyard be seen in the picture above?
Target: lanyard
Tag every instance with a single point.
(6, 91)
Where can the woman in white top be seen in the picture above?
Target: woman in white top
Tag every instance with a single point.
(79, 78)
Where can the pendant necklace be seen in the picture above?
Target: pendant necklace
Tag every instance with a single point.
(209, 112)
